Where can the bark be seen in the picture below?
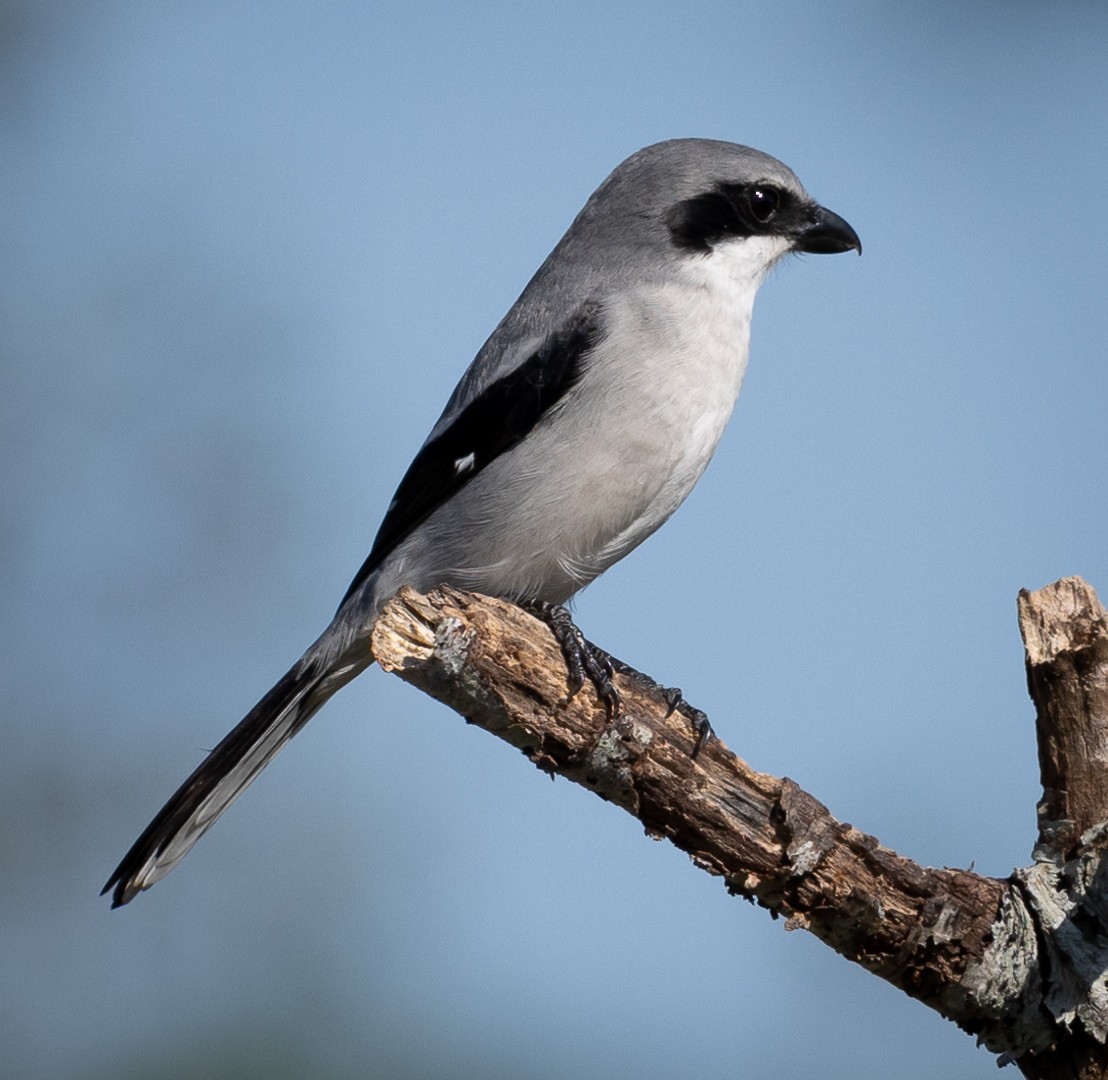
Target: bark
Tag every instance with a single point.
(1065, 634)
(1020, 962)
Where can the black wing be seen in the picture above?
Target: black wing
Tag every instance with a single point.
(493, 422)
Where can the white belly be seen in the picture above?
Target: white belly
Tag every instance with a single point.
(609, 464)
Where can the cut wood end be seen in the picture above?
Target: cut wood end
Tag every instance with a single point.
(1062, 617)
(405, 630)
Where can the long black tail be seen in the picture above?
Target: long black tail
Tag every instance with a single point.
(226, 773)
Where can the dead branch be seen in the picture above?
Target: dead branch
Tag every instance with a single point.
(1019, 962)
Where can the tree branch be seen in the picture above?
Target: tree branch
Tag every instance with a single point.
(1065, 634)
(1007, 960)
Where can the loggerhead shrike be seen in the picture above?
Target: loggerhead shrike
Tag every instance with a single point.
(582, 424)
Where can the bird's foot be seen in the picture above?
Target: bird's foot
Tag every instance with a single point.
(582, 657)
(701, 725)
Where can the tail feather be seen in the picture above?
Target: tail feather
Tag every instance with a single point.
(224, 775)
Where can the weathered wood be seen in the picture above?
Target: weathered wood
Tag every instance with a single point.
(1015, 962)
(1065, 634)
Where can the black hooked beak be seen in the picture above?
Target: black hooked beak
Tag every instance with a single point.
(825, 233)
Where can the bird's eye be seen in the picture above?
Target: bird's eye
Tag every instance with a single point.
(764, 201)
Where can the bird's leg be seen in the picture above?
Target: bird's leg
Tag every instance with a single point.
(582, 657)
(698, 719)
(701, 725)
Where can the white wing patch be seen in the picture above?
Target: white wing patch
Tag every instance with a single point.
(464, 464)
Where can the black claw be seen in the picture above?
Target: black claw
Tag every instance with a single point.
(701, 725)
(673, 697)
(702, 728)
(582, 657)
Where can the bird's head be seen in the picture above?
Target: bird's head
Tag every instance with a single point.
(703, 198)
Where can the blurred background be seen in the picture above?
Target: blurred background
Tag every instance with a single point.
(247, 251)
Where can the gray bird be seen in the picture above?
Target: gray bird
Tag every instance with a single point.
(580, 426)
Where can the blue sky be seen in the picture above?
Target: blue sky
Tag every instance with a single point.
(247, 252)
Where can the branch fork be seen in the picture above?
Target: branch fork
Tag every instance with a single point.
(1022, 963)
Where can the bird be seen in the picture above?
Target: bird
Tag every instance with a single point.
(580, 426)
